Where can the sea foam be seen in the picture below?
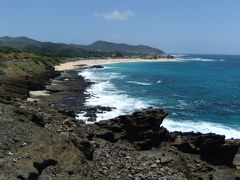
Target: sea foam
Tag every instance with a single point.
(203, 127)
(104, 93)
(139, 83)
(188, 59)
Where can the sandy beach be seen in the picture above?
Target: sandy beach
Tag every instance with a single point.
(74, 64)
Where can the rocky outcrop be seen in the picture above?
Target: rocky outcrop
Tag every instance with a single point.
(97, 66)
(196, 155)
(141, 128)
(211, 147)
(84, 146)
(19, 87)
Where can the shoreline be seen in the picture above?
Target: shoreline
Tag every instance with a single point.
(45, 133)
(75, 64)
(85, 63)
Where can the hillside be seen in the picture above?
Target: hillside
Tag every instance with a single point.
(27, 44)
(18, 42)
(103, 46)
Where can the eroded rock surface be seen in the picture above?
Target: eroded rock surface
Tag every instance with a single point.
(141, 128)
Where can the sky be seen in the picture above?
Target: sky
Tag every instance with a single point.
(175, 26)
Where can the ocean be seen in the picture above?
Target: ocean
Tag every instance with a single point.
(201, 93)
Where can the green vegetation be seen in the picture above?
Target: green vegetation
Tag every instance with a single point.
(17, 42)
(14, 62)
(69, 53)
(28, 67)
(119, 54)
(1, 68)
(9, 53)
(21, 54)
(97, 49)
(48, 61)
(103, 46)
(8, 50)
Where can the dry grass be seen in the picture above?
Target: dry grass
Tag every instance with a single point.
(15, 56)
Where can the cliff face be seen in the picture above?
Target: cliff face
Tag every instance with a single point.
(40, 139)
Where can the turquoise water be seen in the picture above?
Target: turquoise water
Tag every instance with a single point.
(201, 93)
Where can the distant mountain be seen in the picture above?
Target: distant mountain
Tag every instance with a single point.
(24, 43)
(27, 44)
(18, 42)
(103, 46)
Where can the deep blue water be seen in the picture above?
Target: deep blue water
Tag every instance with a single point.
(200, 92)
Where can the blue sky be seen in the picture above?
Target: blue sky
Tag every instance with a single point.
(175, 26)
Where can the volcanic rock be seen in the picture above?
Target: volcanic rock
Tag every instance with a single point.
(141, 128)
(211, 147)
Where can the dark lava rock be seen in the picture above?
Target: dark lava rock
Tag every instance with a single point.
(141, 128)
(37, 119)
(19, 87)
(83, 145)
(212, 147)
(109, 136)
(97, 66)
(67, 112)
(40, 167)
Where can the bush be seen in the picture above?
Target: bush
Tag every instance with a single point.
(49, 61)
(8, 50)
(2, 66)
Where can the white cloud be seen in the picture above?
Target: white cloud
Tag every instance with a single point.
(116, 15)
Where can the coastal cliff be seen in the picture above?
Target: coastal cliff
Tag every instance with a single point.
(41, 139)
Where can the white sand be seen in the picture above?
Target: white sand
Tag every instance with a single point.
(75, 64)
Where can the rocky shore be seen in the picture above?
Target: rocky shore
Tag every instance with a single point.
(41, 139)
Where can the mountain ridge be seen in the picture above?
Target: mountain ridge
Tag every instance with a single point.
(122, 47)
(25, 43)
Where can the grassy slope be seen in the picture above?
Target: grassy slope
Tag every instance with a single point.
(34, 64)
(20, 75)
